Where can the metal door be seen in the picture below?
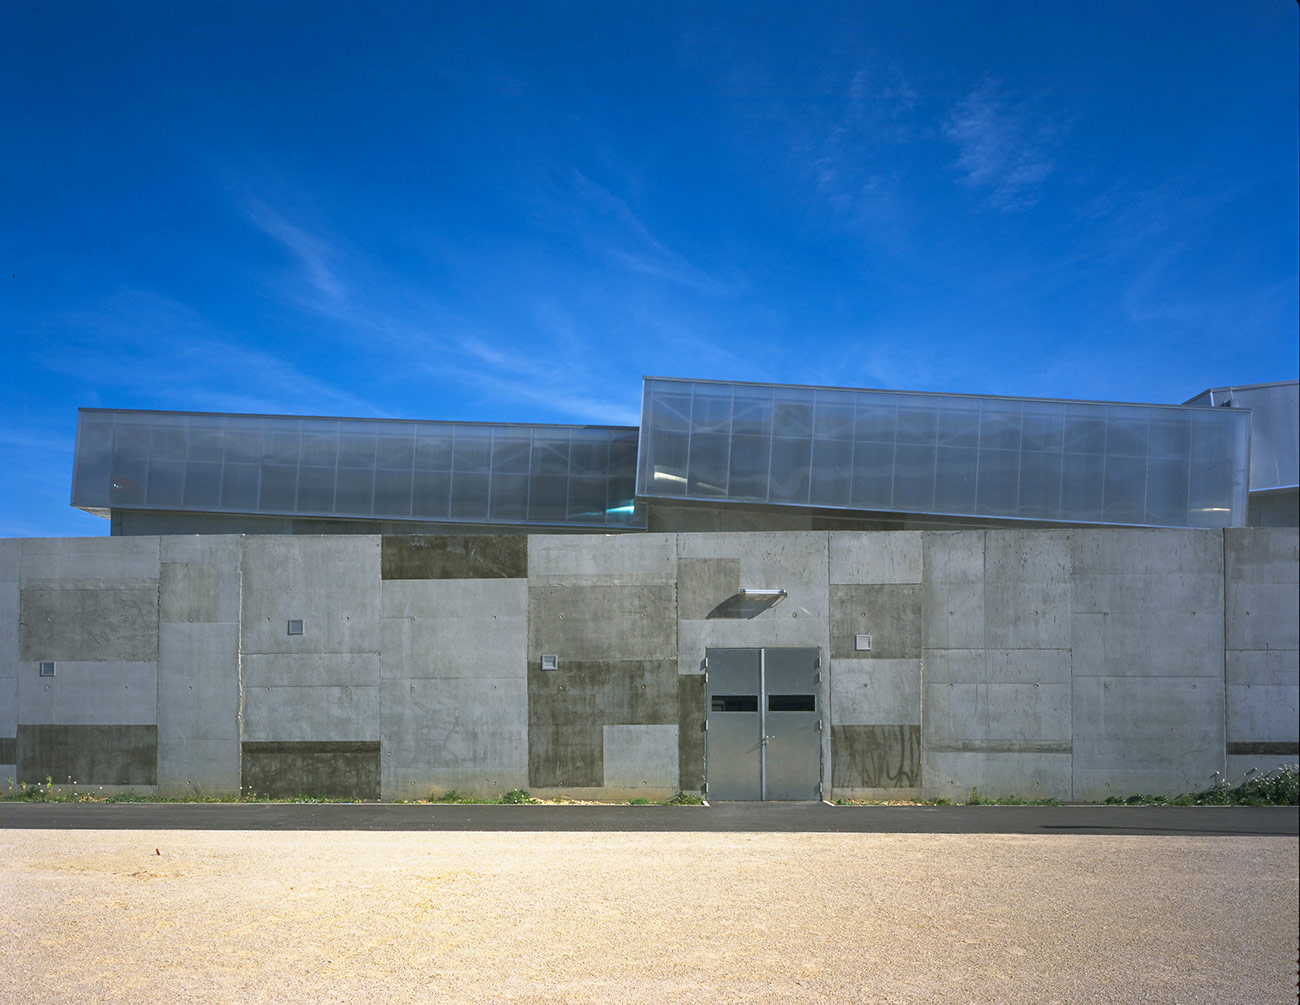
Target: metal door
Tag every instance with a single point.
(764, 724)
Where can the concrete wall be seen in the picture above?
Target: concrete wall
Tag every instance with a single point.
(1076, 664)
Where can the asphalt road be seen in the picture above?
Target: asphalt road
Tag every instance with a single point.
(1185, 821)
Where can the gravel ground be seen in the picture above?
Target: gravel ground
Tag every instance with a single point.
(244, 916)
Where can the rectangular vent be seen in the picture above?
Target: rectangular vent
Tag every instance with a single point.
(295, 626)
(862, 643)
(47, 669)
(550, 662)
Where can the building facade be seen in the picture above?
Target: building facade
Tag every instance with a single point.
(761, 593)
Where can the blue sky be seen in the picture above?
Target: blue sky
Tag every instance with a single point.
(512, 211)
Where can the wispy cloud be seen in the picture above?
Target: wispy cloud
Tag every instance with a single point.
(1004, 148)
(316, 257)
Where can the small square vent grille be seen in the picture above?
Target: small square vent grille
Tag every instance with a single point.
(47, 669)
(550, 662)
(295, 626)
(862, 643)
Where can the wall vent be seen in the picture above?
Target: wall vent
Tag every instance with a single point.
(295, 626)
(550, 662)
(47, 669)
(862, 643)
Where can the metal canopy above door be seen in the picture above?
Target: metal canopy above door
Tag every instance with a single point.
(763, 737)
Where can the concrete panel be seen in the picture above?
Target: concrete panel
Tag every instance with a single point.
(470, 735)
(188, 592)
(1263, 616)
(641, 761)
(1156, 552)
(1261, 554)
(1148, 644)
(890, 614)
(334, 620)
(703, 584)
(1275, 666)
(609, 559)
(796, 562)
(953, 590)
(117, 558)
(90, 694)
(875, 757)
(311, 713)
(873, 691)
(8, 706)
(1160, 735)
(602, 622)
(190, 766)
(690, 732)
(995, 716)
(568, 708)
(1244, 766)
(339, 563)
(8, 628)
(460, 628)
(310, 670)
(454, 599)
(11, 551)
(1027, 589)
(88, 754)
(875, 557)
(1263, 713)
(198, 686)
(454, 556)
(9, 750)
(99, 625)
(957, 776)
(222, 553)
(323, 769)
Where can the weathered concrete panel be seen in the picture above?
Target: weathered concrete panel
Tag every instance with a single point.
(189, 592)
(11, 550)
(1261, 554)
(311, 713)
(9, 750)
(876, 757)
(640, 761)
(609, 560)
(875, 557)
(114, 558)
(1125, 643)
(1162, 735)
(88, 625)
(705, 583)
(455, 556)
(346, 563)
(325, 769)
(690, 732)
(8, 706)
(1263, 616)
(1259, 713)
(1155, 552)
(953, 590)
(8, 628)
(310, 670)
(90, 694)
(470, 735)
(873, 691)
(1027, 589)
(88, 754)
(956, 775)
(1274, 666)
(192, 766)
(568, 708)
(454, 599)
(602, 622)
(890, 614)
(198, 685)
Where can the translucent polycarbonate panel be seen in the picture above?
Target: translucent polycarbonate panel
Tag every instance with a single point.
(579, 476)
(944, 454)
(1274, 429)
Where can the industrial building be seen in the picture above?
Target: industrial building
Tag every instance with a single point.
(761, 592)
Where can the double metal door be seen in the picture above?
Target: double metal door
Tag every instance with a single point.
(763, 731)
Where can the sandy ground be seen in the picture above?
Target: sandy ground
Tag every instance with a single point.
(242, 916)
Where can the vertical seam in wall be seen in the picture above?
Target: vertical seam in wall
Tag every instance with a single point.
(157, 669)
(239, 667)
(1223, 622)
(920, 701)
